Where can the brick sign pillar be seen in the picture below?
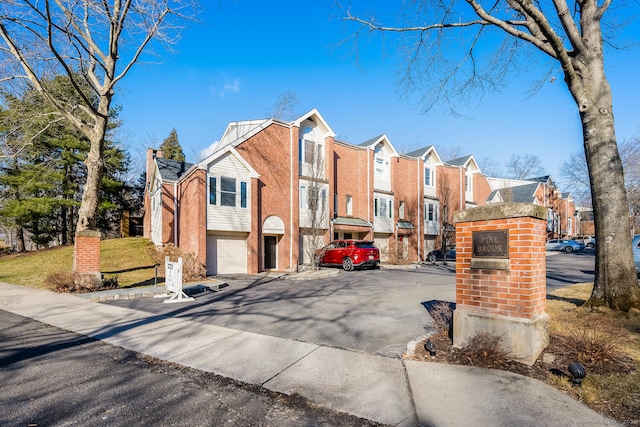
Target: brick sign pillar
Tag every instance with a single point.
(501, 277)
(86, 258)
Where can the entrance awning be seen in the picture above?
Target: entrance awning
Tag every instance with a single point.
(349, 221)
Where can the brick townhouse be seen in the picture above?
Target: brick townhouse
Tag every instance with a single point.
(274, 191)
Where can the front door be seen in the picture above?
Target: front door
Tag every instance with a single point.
(270, 252)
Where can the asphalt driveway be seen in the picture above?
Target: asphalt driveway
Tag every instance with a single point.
(372, 311)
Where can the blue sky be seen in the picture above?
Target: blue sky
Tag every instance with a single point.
(235, 63)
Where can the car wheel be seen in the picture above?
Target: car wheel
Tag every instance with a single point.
(347, 264)
(568, 249)
(431, 258)
(591, 245)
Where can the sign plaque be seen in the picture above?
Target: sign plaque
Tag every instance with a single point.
(490, 244)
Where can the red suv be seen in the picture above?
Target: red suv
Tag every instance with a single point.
(350, 254)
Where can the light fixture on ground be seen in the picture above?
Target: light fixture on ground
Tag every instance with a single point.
(430, 347)
(578, 372)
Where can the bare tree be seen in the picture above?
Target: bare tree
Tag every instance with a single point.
(316, 215)
(285, 106)
(95, 43)
(445, 195)
(522, 166)
(490, 167)
(567, 37)
(575, 176)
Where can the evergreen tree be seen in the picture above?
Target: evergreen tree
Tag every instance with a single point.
(42, 172)
(171, 148)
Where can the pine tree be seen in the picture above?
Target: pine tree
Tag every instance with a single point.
(171, 148)
(42, 172)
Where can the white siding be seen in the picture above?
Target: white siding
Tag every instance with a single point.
(383, 221)
(306, 215)
(156, 214)
(229, 218)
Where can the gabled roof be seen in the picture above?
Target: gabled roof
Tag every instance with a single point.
(520, 193)
(238, 132)
(232, 151)
(424, 152)
(315, 116)
(419, 152)
(171, 170)
(371, 143)
(464, 162)
(460, 161)
(545, 179)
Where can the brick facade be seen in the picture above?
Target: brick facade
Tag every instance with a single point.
(272, 149)
(519, 290)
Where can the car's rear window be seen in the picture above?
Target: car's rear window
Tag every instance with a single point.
(364, 244)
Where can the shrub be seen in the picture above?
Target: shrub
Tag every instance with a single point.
(484, 350)
(192, 269)
(442, 314)
(596, 348)
(67, 281)
(62, 281)
(4, 248)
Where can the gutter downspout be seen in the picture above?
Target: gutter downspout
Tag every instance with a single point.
(462, 190)
(175, 214)
(369, 193)
(420, 238)
(291, 195)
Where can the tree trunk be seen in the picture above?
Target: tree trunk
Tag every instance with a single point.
(615, 284)
(20, 239)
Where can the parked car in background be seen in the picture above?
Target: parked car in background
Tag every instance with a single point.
(564, 245)
(589, 241)
(438, 255)
(350, 254)
(635, 244)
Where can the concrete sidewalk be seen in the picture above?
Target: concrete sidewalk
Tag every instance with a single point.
(387, 390)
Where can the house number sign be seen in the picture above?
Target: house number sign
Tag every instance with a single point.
(490, 244)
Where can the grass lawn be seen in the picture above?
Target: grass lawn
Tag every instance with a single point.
(126, 258)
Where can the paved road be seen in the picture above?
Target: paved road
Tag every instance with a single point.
(566, 269)
(377, 311)
(51, 377)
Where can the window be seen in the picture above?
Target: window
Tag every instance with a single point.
(383, 209)
(227, 191)
(427, 177)
(466, 183)
(223, 191)
(390, 209)
(243, 194)
(213, 191)
(349, 205)
(375, 207)
(303, 197)
(430, 212)
(308, 151)
(401, 210)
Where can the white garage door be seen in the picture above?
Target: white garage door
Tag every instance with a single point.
(226, 254)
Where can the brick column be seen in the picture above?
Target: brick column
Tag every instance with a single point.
(86, 258)
(501, 277)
